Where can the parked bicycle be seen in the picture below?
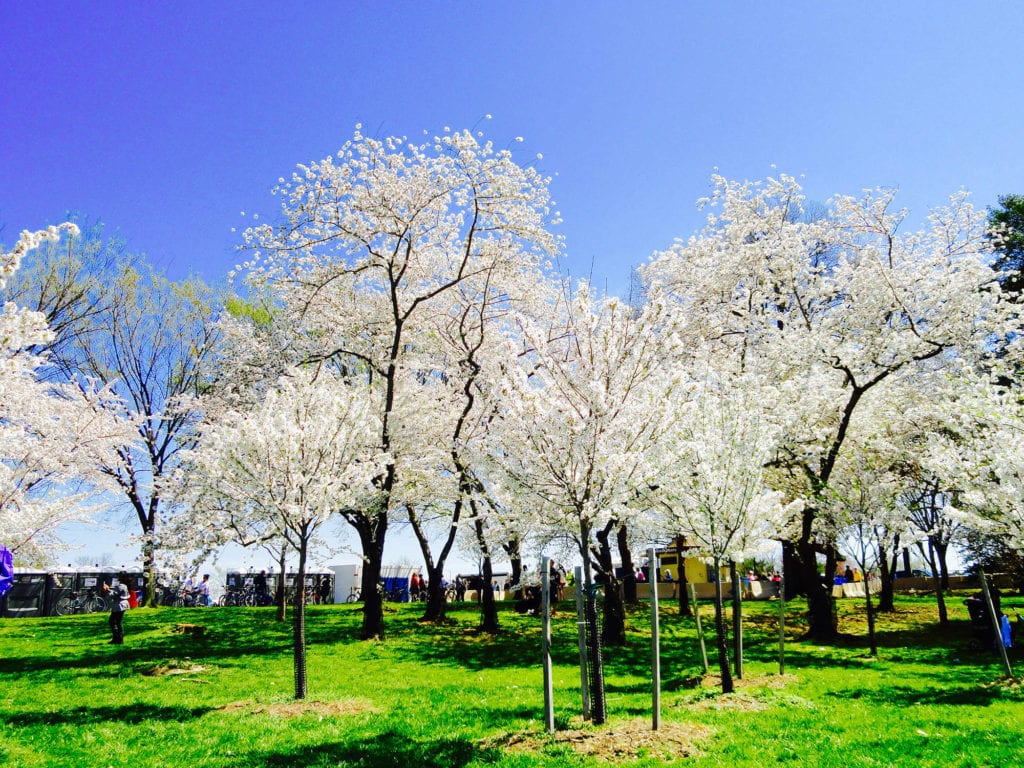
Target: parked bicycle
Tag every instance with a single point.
(89, 602)
(397, 595)
(354, 595)
(238, 597)
(189, 598)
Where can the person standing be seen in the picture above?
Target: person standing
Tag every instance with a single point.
(460, 588)
(203, 591)
(118, 605)
(259, 585)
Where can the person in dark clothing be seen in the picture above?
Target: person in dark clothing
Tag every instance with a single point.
(259, 584)
(460, 588)
(118, 605)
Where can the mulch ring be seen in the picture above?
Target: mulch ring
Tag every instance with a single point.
(750, 694)
(613, 742)
(299, 708)
(172, 667)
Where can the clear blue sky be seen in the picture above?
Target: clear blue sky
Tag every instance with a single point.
(168, 119)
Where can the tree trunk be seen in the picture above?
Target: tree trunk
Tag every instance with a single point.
(488, 605)
(149, 599)
(871, 618)
(614, 630)
(299, 645)
(684, 588)
(886, 593)
(371, 535)
(941, 549)
(820, 615)
(595, 657)
(512, 549)
(629, 595)
(720, 641)
(436, 605)
(940, 596)
(792, 573)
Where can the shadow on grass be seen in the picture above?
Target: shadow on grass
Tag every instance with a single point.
(905, 696)
(150, 637)
(385, 750)
(132, 714)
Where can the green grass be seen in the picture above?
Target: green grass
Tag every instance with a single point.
(447, 696)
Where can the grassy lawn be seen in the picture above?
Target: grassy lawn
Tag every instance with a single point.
(446, 696)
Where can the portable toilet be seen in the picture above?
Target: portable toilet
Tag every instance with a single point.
(27, 596)
(347, 582)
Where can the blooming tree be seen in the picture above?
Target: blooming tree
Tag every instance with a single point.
(979, 454)
(828, 309)
(579, 414)
(712, 486)
(285, 467)
(377, 244)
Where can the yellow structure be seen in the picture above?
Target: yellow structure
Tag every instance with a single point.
(697, 571)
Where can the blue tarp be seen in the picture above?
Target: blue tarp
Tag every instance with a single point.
(397, 586)
(6, 570)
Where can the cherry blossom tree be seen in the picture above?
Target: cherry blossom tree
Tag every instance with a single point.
(378, 243)
(829, 309)
(712, 485)
(980, 457)
(579, 413)
(284, 468)
(864, 500)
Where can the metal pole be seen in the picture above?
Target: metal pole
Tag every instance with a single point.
(652, 561)
(549, 695)
(782, 626)
(700, 629)
(581, 629)
(995, 623)
(737, 620)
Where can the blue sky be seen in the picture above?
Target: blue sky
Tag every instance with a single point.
(166, 120)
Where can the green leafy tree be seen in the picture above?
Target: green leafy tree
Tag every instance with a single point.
(1006, 229)
(119, 324)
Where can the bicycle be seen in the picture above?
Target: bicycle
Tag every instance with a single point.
(80, 603)
(187, 598)
(397, 595)
(355, 595)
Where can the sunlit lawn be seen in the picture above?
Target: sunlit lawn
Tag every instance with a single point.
(448, 696)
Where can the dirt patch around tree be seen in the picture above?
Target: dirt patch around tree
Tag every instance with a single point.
(750, 694)
(300, 708)
(613, 742)
(172, 667)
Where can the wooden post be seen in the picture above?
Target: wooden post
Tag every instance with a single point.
(652, 560)
(549, 696)
(700, 629)
(996, 623)
(581, 630)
